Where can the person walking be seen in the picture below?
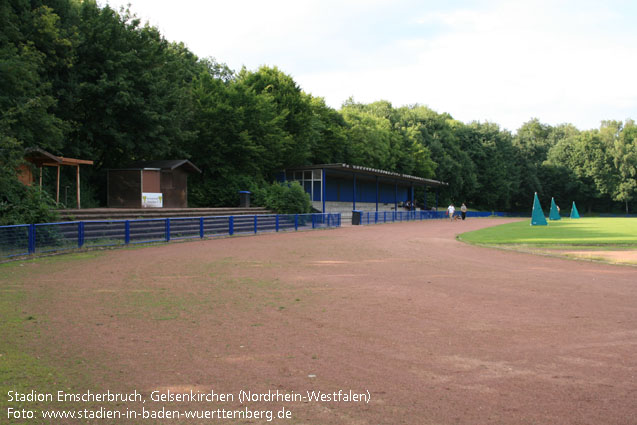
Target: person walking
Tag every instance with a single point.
(463, 210)
(451, 210)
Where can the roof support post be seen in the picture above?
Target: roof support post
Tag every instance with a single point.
(377, 195)
(141, 188)
(78, 186)
(57, 191)
(396, 197)
(354, 193)
(413, 204)
(323, 188)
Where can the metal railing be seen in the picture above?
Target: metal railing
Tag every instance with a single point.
(377, 217)
(30, 239)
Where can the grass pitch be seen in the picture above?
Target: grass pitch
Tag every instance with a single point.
(598, 232)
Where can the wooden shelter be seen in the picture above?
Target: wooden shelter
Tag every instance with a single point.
(150, 184)
(41, 158)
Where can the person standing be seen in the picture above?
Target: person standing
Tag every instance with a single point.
(463, 210)
(451, 210)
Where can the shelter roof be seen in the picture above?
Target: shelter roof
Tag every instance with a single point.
(41, 157)
(371, 171)
(168, 164)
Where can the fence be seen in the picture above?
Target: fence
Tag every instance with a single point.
(375, 217)
(25, 239)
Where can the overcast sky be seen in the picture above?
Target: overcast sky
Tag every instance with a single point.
(498, 61)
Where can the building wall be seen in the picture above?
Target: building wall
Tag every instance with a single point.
(341, 190)
(174, 186)
(25, 175)
(151, 181)
(332, 206)
(124, 189)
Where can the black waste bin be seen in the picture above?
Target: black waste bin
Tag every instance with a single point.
(356, 217)
(244, 198)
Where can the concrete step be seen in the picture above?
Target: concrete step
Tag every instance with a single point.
(148, 213)
(155, 229)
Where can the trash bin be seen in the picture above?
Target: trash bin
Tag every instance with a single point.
(356, 217)
(244, 198)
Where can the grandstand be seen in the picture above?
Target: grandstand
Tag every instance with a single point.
(344, 188)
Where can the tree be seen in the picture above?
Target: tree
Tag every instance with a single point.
(589, 155)
(291, 106)
(132, 99)
(32, 47)
(532, 143)
(229, 150)
(491, 151)
(328, 139)
(369, 138)
(625, 160)
(29, 38)
(437, 134)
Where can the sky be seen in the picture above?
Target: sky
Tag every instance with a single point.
(505, 62)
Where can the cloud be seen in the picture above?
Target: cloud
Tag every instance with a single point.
(506, 64)
(501, 61)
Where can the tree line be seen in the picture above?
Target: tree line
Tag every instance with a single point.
(90, 82)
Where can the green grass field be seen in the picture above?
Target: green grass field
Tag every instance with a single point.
(599, 232)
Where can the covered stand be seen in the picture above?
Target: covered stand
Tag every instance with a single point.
(345, 187)
(41, 158)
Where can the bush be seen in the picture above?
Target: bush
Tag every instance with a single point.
(219, 192)
(20, 204)
(284, 198)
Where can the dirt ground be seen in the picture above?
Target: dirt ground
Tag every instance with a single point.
(433, 330)
(619, 257)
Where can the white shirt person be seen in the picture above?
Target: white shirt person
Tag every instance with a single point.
(451, 211)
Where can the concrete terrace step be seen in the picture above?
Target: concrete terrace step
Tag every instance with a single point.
(146, 230)
(135, 213)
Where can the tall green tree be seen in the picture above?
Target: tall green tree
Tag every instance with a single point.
(235, 128)
(532, 143)
(624, 154)
(492, 152)
(291, 106)
(31, 46)
(327, 133)
(369, 138)
(408, 152)
(437, 134)
(132, 99)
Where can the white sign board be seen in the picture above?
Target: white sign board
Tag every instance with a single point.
(152, 200)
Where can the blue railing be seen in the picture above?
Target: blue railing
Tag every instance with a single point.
(376, 217)
(26, 239)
